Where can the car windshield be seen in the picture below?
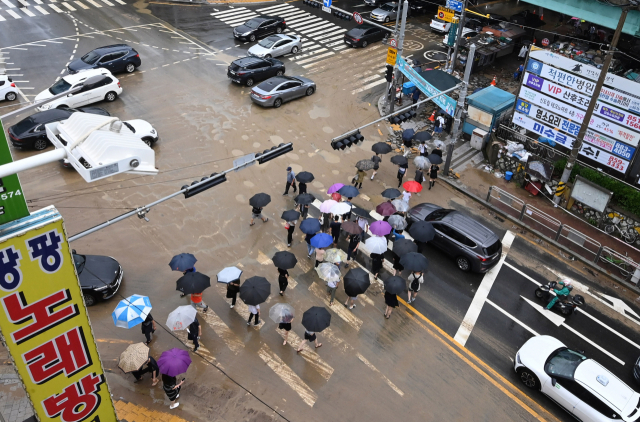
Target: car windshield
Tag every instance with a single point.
(59, 87)
(387, 7)
(130, 127)
(493, 248)
(253, 23)
(268, 42)
(563, 363)
(91, 57)
(439, 20)
(79, 261)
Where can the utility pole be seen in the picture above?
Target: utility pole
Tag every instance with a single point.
(592, 104)
(396, 77)
(458, 37)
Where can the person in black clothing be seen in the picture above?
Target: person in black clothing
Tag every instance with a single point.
(285, 325)
(195, 332)
(419, 177)
(437, 151)
(420, 245)
(152, 366)
(148, 327)
(304, 210)
(376, 164)
(302, 188)
(376, 264)
(310, 248)
(396, 264)
(391, 301)
(335, 228)
(172, 389)
(433, 175)
(232, 291)
(256, 212)
(401, 172)
(290, 229)
(354, 242)
(283, 280)
(190, 270)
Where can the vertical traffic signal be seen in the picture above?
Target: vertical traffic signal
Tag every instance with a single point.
(389, 75)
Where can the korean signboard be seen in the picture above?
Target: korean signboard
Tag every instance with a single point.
(561, 93)
(12, 203)
(392, 53)
(445, 14)
(45, 325)
(445, 102)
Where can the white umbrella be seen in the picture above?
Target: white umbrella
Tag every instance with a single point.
(397, 222)
(281, 312)
(181, 317)
(229, 274)
(327, 205)
(328, 271)
(400, 205)
(421, 162)
(340, 208)
(376, 244)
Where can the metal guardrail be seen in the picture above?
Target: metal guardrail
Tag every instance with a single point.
(508, 203)
(541, 221)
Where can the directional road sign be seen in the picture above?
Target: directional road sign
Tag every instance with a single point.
(455, 5)
(327, 5)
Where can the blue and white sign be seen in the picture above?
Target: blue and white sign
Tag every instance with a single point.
(455, 5)
(445, 102)
(326, 5)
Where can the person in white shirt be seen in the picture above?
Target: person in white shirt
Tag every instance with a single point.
(406, 196)
(254, 312)
(415, 280)
(332, 286)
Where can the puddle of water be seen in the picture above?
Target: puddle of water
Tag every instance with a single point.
(248, 184)
(293, 156)
(318, 185)
(237, 153)
(329, 157)
(245, 137)
(317, 112)
(256, 144)
(277, 140)
(336, 172)
(241, 198)
(327, 129)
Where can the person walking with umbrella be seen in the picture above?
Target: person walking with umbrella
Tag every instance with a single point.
(376, 264)
(194, 331)
(283, 280)
(332, 286)
(282, 314)
(253, 292)
(310, 248)
(148, 328)
(356, 282)
(152, 366)
(173, 362)
(254, 312)
(415, 280)
(392, 287)
(231, 276)
(172, 389)
(360, 175)
(354, 242)
(258, 202)
(290, 226)
(303, 178)
(256, 212)
(314, 320)
(134, 358)
(284, 261)
(419, 177)
(376, 164)
(233, 287)
(433, 175)
(402, 170)
(291, 181)
(184, 262)
(335, 229)
(194, 284)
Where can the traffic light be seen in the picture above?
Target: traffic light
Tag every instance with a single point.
(347, 141)
(270, 154)
(403, 117)
(205, 183)
(389, 75)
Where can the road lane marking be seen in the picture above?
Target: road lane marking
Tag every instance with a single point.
(28, 12)
(55, 8)
(514, 319)
(231, 13)
(621, 362)
(2, 18)
(13, 14)
(314, 359)
(331, 53)
(374, 369)
(278, 7)
(609, 328)
(368, 86)
(68, 6)
(202, 350)
(24, 3)
(470, 319)
(321, 293)
(223, 331)
(9, 4)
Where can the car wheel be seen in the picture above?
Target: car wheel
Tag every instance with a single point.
(387, 19)
(252, 38)
(148, 141)
(364, 44)
(280, 73)
(310, 91)
(277, 103)
(267, 56)
(278, 30)
(463, 263)
(111, 96)
(89, 299)
(294, 50)
(11, 96)
(249, 82)
(528, 378)
(130, 67)
(539, 293)
(40, 144)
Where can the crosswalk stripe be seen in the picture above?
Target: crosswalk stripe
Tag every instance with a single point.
(94, 3)
(14, 14)
(326, 26)
(121, 2)
(322, 367)
(331, 34)
(68, 6)
(41, 10)
(2, 18)
(24, 3)
(28, 12)
(231, 12)
(320, 30)
(82, 5)
(38, 1)
(55, 8)
(107, 2)
(223, 331)
(234, 22)
(278, 7)
(307, 24)
(339, 37)
(8, 3)
(320, 292)
(300, 20)
(308, 54)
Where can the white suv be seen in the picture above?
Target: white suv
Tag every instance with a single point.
(96, 85)
(583, 387)
(8, 90)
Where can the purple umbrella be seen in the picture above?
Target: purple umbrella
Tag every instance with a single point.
(335, 188)
(386, 208)
(380, 228)
(173, 362)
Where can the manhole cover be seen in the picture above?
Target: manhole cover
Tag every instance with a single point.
(412, 45)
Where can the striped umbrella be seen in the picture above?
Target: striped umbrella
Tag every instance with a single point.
(131, 311)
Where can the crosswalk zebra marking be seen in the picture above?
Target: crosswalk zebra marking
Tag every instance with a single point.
(82, 5)
(13, 14)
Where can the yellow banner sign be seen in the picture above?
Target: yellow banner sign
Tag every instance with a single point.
(445, 14)
(392, 54)
(45, 324)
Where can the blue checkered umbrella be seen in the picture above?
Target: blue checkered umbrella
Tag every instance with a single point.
(131, 311)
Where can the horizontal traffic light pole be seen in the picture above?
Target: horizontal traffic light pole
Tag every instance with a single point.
(205, 183)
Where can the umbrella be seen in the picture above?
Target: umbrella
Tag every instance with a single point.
(421, 162)
(365, 165)
(361, 212)
(255, 290)
(290, 215)
(400, 205)
(336, 196)
(412, 186)
(414, 261)
(400, 160)
(328, 271)
(356, 282)
(259, 200)
(351, 227)
(349, 191)
(310, 226)
(193, 283)
(404, 246)
(181, 317)
(316, 319)
(174, 362)
(422, 231)
(340, 208)
(281, 312)
(376, 244)
(131, 311)
(285, 260)
(321, 240)
(435, 159)
(397, 222)
(335, 255)
(133, 357)
(327, 205)
(304, 177)
(304, 198)
(422, 136)
(380, 228)
(391, 193)
(407, 134)
(229, 274)
(381, 148)
(395, 285)
(335, 188)
(386, 208)
(182, 262)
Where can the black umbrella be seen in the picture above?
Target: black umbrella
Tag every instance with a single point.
(434, 159)
(255, 290)
(290, 215)
(361, 212)
(259, 200)
(422, 136)
(414, 261)
(304, 198)
(310, 226)
(285, 260)
(349, 191)
(391, 193)
(193, 283)
(407, 134)
(381, 148)
(182, 262)
(316, 319)
(404, 246)
(399, 160)
(356, 282)
(395, 285)
(304, 177)
(422, 231)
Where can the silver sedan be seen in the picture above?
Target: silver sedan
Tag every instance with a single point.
(273, 92)
(276, 45)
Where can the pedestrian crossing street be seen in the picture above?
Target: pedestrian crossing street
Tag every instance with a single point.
(18, 9)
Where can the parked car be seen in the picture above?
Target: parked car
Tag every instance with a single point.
(30, 132)
(249, 70)
(363, 35)
(527, 18)
(583, 387)
(258, 27)
(387, 12)
(422, 7)
(8, 90)
(100, 276)
(466, 33)
(96, 85)
(273, 92)
(373, 3)
(473, 246)
(439, 26)
(276, 45)
(115, 58)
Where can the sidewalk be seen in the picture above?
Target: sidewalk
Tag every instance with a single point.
(14, 403)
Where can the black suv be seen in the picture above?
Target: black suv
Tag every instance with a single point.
(100, 276)
(115, 58)
(249, 70)
(364, 34)
(259, 27)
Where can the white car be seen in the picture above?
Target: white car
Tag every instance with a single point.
(440, 26)
(8, 90)
(583, 387)
(466, 33)
(276, 45)
(96, 85)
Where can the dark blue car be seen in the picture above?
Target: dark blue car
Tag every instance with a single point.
(115, 58)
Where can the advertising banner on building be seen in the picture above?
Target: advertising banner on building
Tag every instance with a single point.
(556, 91)
(45, 324)
(563, 78)
(445, 102)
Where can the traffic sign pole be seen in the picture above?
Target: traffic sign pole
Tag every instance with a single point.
(396, 77)
(452, 65)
